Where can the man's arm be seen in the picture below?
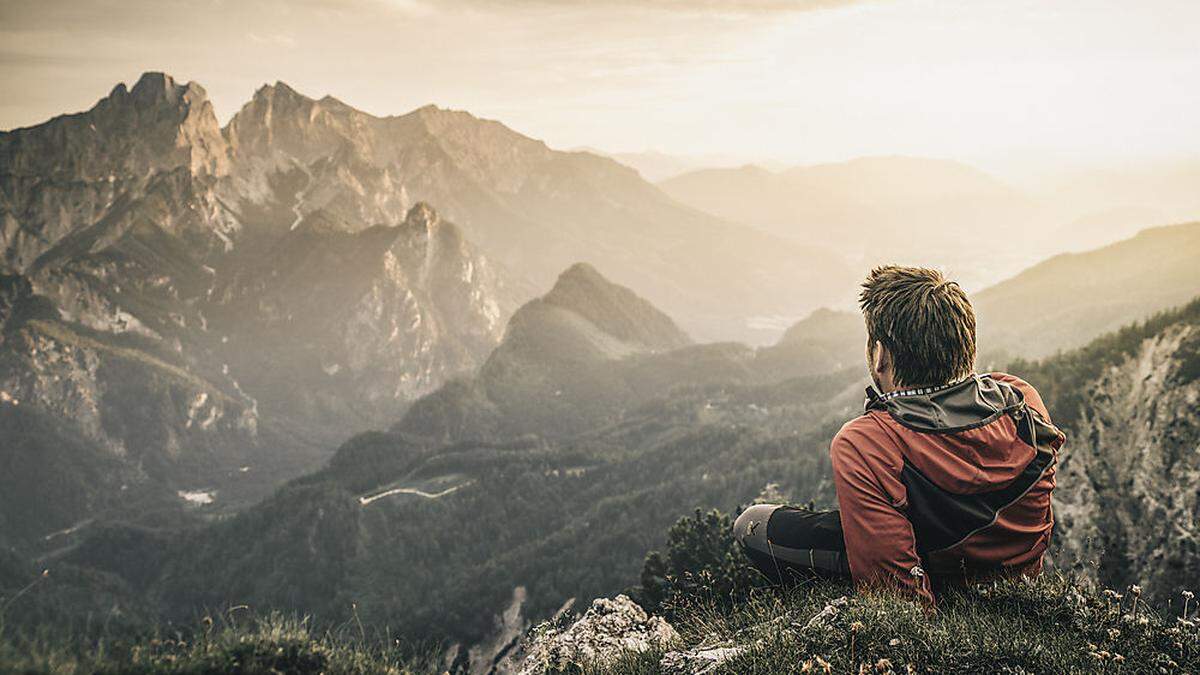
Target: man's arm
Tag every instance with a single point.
(880, 544)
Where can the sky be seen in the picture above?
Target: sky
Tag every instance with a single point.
(1003, 84)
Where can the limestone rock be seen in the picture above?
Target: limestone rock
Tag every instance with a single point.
(610, 627)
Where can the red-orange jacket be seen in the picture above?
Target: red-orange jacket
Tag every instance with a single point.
(947, 483)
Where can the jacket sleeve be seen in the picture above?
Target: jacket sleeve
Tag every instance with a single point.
(880, 544)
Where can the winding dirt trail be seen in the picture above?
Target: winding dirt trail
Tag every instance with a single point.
(365, 500)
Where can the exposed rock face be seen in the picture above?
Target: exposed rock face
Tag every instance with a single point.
(1128, 493)
(175, 374)
(362, 321)
(609, 628)
(496, 654)
(79, 170)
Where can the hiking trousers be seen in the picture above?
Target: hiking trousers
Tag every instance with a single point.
(787, 544)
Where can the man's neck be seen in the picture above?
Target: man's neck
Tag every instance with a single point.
(890, 387)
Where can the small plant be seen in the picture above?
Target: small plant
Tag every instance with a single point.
(702, 564)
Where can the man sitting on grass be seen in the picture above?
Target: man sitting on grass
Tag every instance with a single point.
(945, 478)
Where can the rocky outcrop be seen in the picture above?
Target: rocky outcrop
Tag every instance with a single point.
(614, 627)
(1128, 497)
(609, 628)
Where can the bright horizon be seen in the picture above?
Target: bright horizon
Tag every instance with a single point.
(1012, 87)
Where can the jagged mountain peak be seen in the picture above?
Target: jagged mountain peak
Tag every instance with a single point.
(158, 124)
(280, 122)
(436, 246)
(279, 93)
(157, 94)
(70, 172)
(152, 87)
(426, 233)
(462, 133)
(156, 86)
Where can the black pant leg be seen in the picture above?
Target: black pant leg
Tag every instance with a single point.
(787, 543)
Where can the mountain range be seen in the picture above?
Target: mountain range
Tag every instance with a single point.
(535, 210)
(914, 210)
(285, 283)
(880, 210)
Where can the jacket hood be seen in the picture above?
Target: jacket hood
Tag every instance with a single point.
(972, 436)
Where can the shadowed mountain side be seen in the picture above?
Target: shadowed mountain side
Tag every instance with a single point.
(1069, 299)
(588, 352)
(101, 426)
(554, 370)
(823, 342)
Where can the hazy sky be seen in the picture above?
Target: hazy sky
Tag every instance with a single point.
(798, 81)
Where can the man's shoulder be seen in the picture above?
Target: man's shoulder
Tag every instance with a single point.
(1032, 397)
(866, 442)
(861, 433)
(1009, 378)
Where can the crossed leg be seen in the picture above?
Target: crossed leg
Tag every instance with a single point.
(787, 543)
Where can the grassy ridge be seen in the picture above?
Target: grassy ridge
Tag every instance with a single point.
(1055, 624)
(1052, 625)
(228, 643)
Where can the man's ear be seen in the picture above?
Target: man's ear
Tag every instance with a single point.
(881, 358)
